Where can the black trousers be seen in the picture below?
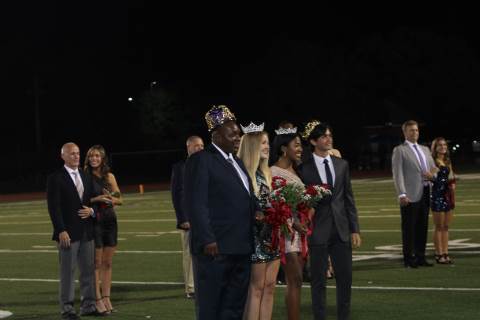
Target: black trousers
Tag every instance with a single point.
(341, 254)
(221, 286)
(415, 227)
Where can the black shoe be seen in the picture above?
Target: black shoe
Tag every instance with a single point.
(70, 316)
(410, 264)
(94, 313)
(424, 263)
(190, 295)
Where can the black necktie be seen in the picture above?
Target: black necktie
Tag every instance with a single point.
(328, 173)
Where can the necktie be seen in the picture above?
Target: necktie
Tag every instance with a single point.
(328, 173)
(422, 164)
(78, 184)
(230, 160)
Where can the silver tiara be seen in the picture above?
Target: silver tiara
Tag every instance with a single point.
(286, 131)
(252, 127)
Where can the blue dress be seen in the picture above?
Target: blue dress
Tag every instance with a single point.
(262, 232)
(439, 197)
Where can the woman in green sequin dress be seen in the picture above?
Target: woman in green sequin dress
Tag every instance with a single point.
(254, 152)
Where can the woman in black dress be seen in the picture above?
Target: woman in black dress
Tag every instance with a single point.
(106, 223)
(442, 199)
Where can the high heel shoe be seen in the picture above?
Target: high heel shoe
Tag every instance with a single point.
(440, 259)
(447, 259)
(103, 313)
(108, 304)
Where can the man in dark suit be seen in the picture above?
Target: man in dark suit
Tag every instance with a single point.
(69, 191)
(194, 144)
(335, 222)
(221, 205)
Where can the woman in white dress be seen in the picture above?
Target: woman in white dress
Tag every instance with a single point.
(287, 152)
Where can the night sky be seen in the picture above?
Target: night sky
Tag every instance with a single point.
(384, 64)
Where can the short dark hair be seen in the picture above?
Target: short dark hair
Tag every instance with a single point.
(408, 124)
(319, 131)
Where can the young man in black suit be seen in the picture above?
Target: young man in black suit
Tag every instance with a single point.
(194, 144)
(221, 205)
(69, 191)
(335, 222)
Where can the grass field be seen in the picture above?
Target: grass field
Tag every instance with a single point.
(148, 275)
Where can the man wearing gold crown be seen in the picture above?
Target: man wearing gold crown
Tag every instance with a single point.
(336, 228)
(221, 203)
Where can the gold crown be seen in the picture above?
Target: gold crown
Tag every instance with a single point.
(309, 128)
(217, 116)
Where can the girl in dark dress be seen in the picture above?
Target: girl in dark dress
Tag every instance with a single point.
(254, 152)
(442, 199)
(106, 224)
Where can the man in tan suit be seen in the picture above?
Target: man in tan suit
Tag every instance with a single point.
(413, 168)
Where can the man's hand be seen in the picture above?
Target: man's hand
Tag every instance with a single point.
(211, 249)
(404, 201)
(85, 212)
(427, 175)
(185, 225)
(64, 239)
(356, 240)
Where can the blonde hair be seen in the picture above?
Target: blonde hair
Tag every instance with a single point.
(249, 153)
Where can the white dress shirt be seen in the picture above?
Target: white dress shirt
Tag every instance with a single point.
(240, 172)
(72, 173)
(319, 162)
(423, 160)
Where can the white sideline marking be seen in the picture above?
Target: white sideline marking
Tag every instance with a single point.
(120, 220)
(139, 233)
(49, 233)
(281, 286)
(118, 251)
(430, 230)
(398, 215)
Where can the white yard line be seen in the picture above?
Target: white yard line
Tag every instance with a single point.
(154, 233)
(168, 283)
(118, 251)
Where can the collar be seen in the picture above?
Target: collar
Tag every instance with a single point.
(321, 159)
(229, 156)
(411, 144)
(70, 170)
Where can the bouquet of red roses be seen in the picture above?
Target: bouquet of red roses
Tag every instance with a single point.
(286, 201)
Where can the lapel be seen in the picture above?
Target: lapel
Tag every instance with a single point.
(219, 157)
(338, 174)
(69, 181)
(312, 166)
(84, 181)
(413, 156)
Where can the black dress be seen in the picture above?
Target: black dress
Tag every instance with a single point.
(440, 200)
(106, 230)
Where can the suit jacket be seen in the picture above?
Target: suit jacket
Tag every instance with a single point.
(339, 207)
(219, 207)
(407, 172)
(64, 202)
(176, 187)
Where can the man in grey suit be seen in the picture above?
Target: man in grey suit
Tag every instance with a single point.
(336, 228)
(69, 191)
(413, 168)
